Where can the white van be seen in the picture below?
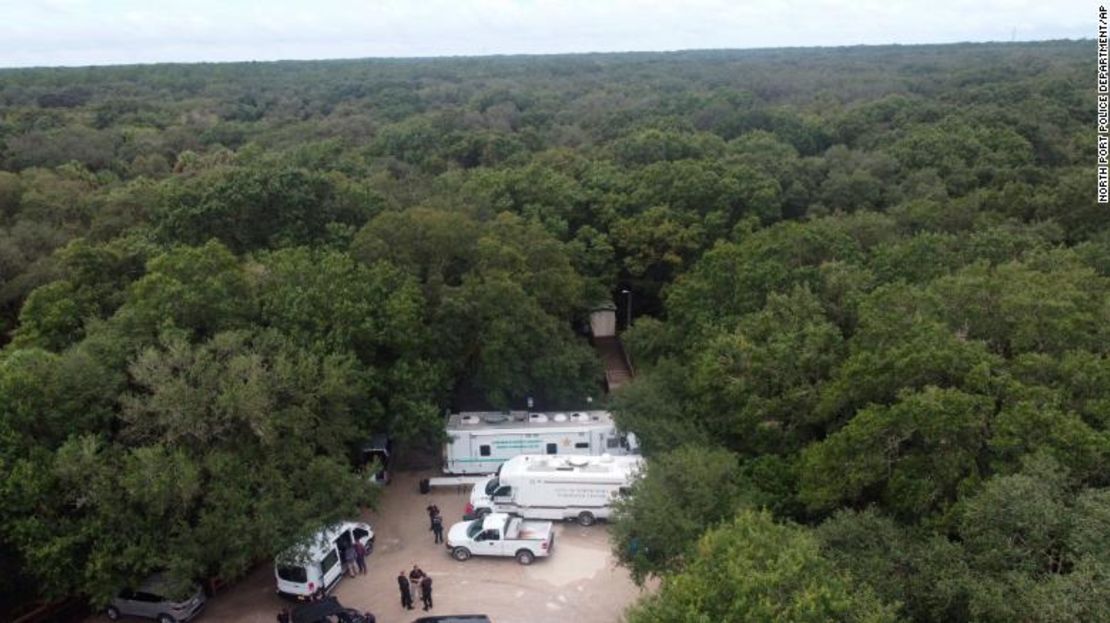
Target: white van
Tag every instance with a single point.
(318, 563)
(556, 487)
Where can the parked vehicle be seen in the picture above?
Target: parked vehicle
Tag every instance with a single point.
(455, 618)
(327, 610)
(556, 487)
(479, 442)
(153, 600)
(378, 450)
(317, 563)
(498, 534)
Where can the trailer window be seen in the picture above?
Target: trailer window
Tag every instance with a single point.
(552, 448)
(483, 450)
(582, 445)
(612, 442)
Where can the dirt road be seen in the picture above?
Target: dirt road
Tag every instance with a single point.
(578, 583)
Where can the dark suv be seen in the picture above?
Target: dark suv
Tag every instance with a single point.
(329, 610)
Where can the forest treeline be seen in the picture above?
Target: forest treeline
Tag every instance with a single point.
(871, 291)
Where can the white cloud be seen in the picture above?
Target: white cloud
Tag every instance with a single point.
(52, 32)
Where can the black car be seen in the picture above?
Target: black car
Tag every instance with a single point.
(329, 610)
(455, 618)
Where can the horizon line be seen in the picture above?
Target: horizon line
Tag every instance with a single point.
(441, 57)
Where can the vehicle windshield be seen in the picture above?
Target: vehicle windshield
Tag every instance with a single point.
(492, 485)
(293, 574)
(474, 528)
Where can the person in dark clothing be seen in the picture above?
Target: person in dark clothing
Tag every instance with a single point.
(283, 616)
(406, 591)
(416, 574)
(426, 591)
(433, 512)
(437, 528)
(360, 557)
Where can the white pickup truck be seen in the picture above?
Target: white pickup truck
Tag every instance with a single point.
(499, 534)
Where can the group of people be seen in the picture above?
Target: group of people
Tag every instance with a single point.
(415, 579)
(354, 559)
(354, 563)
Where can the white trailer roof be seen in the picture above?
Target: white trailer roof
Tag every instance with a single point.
(572, 467)
(537, 420)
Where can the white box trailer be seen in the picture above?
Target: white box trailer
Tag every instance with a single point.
(479, 442)
(556, 487)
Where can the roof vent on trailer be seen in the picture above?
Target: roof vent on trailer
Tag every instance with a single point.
(581, 417)
(537, 417)
(470, 419)
(578, 461)
(495, 418)
(560, 417)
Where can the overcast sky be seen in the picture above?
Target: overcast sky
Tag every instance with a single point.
(97, 32)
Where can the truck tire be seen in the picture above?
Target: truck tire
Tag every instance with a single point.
(586, 518)
(460, 554)
(112, 612)
(525, 557)
(425, 486)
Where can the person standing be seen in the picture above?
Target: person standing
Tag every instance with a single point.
(360, 557)
(416, 574)
(426, 591)
(283, 616)
(406, 591)
(349, 561)
(437, 528)
(433, 512)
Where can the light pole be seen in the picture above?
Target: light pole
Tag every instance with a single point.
(628, 308)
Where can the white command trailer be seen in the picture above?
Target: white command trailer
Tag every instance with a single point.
(556, 487)
(479, 442)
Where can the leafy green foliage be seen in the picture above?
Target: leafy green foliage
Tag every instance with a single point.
(754, 570)
(869, 288)
(681, 494)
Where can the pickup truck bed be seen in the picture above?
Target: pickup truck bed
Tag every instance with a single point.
(528, 530)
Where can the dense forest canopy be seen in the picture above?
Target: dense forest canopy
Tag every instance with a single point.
(871, 290)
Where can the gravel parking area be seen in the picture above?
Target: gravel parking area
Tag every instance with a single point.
(578, 583)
